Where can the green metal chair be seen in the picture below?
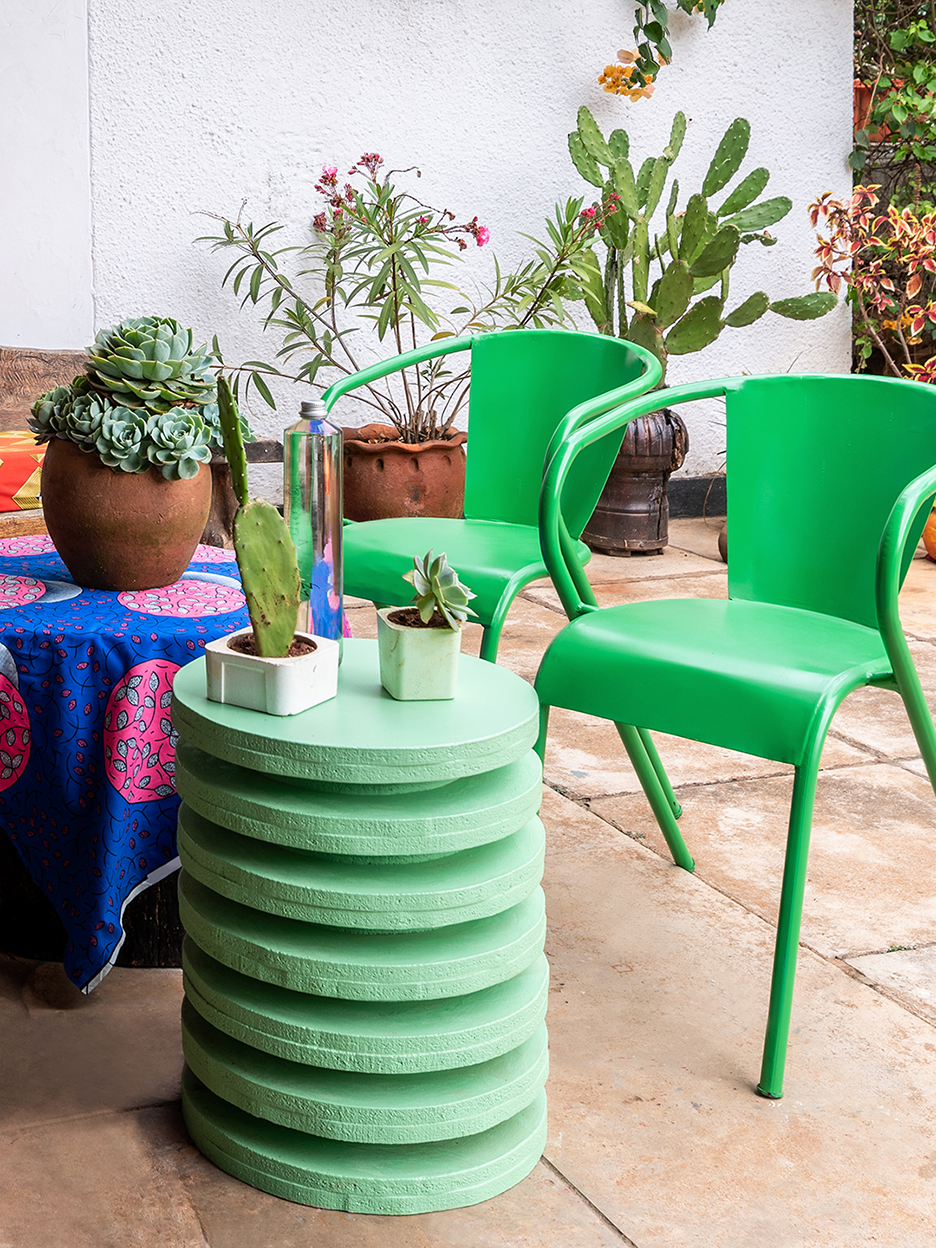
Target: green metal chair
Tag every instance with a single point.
(529, 389)
(830, 480)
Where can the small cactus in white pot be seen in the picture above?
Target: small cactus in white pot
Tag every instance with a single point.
(419, 645)
(270, 666)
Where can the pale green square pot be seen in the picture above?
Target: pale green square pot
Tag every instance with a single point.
(417, 664)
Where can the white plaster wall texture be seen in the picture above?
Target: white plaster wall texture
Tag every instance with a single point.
(45, 204)
(202, 105)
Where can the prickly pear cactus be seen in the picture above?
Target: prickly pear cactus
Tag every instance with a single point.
(265, 552)
(666, 307)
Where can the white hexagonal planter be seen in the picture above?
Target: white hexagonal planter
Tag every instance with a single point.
(276, 686)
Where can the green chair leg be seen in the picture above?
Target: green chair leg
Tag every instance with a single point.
(540, 746)
(661, 803)
(788, 928)
(660, 771)
(490, 641)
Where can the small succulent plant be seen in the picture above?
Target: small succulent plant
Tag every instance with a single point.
(147, 399)
(266, 556)
(439, 589)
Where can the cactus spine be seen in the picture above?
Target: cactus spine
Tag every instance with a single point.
(265, 552)
(694, 251)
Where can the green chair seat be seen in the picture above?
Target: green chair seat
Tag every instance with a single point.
(646, 656)
(491, 557)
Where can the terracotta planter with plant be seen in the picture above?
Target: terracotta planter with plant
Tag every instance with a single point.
(373, 264)
(271, 666)
(419, 645)
(126, 487)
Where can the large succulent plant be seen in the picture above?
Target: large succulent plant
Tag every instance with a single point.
(147, 399)
(151, 362)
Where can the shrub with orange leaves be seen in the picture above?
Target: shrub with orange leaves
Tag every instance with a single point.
(886, 261)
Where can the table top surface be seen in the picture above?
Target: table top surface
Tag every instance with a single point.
(364, 736)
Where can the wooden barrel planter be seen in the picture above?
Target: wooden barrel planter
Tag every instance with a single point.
(632, 514)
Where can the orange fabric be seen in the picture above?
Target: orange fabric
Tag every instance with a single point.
(20, 466)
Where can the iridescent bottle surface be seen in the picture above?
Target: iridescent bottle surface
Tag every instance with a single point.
(312, 461)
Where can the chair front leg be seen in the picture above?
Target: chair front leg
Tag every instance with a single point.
(788, 926)
(661, 799)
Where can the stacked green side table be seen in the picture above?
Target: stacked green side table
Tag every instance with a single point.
(365, 983)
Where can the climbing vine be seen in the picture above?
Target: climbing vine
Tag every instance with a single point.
(633, 76)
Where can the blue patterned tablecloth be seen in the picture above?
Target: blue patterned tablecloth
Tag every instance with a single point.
(87, 750)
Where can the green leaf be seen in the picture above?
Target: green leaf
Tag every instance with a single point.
(696, 227)
(626, 187)
(759, 216)
(700, 326)
(587, 269)
(657, 181)
(231, 432)
(728, 156)
(673, 293)
(718, 254)
(805, 307)
(643, 180)
(592, 138)
(619, 144)
(583, 161)
(677, 134)
(748, 312)
(745, 192)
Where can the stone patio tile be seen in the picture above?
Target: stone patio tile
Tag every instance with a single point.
(697, 534)
(706, 584)
(918, 599)
(876, 719)
(872, 860)
(585, 758)
(656, 1022)
(104, 1181)
(540, 1212)
(67, 1055)
(910, 974)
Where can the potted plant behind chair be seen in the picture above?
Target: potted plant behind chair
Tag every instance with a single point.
(270, 666)
(125, 488)
(694, 252)
(371, 265)
(419, 645)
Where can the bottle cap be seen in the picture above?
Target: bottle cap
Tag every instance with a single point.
(314, 409)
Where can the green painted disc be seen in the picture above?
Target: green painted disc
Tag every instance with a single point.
(364, 1178)
(344, 892)
(361, 965)
(465, 812)
(363, 736)
(382, 1037)
(368, 1108)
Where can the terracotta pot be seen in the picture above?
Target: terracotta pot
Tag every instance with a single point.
(120, 530)
(632, 514)
(929, 535)
(384, 477)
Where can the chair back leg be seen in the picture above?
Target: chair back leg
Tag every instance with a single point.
(661, 799)
(660, 771)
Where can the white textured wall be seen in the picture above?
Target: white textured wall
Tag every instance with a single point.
(45, 209)
(200, 105)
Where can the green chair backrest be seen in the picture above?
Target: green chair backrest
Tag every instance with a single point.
(522, 384)
(815, 465)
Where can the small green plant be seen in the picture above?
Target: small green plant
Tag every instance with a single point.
(146, 400)
(667, 307)
(634, 77)
(265, 552)
(439, 589)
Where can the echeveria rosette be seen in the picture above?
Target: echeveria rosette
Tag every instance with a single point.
(151, 363)
(50, 413)
(439, 589)
(121, 443)
(177, 443)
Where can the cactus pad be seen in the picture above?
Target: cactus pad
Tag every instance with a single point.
(728, 156)
(266, 557)
(805, 307)
(701, 325)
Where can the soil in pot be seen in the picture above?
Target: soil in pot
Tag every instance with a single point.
(246, 643)
(120, 530)
(385, 478)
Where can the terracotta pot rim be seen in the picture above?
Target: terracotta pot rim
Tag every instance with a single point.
(458, 438)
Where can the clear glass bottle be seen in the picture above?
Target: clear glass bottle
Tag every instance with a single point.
(312, 468)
